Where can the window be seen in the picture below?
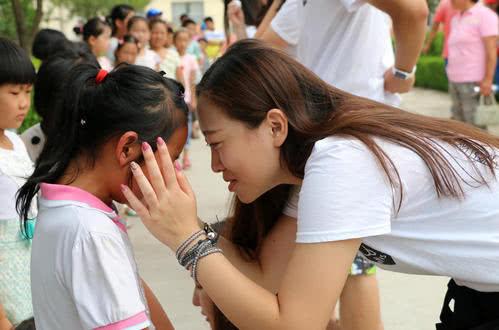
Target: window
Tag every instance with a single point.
(195, 10)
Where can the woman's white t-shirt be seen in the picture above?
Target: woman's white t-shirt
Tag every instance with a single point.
(345, 194)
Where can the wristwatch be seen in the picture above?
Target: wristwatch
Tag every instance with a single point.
(402, 74)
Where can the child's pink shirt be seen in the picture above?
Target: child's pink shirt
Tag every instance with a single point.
(466, 47)
(189, 65)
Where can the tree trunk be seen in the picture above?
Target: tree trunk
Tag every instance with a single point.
(24, 35)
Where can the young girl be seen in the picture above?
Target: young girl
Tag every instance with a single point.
(190, 69)
(415, 194)
(17, 75)
(84, 272)
(97, 33)
(48, 88)
(118, 20)
(139, 28)
(127, 50)
(170, 60)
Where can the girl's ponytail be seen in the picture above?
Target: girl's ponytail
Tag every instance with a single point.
(62, 141)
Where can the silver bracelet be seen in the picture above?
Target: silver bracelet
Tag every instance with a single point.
(185, 244)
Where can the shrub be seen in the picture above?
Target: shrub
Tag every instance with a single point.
(431, 73)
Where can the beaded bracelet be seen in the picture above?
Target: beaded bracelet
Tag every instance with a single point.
(185, 244)
(201, 249)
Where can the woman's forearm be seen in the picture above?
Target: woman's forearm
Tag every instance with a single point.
(409, 27)
(267, 19)
(268, 267)
(304, 301)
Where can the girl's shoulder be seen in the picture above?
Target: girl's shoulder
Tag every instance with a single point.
(16, 141)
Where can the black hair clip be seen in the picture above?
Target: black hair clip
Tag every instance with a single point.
(180, 87)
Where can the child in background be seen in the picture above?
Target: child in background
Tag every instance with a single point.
(127, 50)
(48, 87)
(193, 47)
(48, 42)
(118, 20)
(138, 27)
(97, 33)
(82, 258)
(170, 60)
(17, 75)
(191, 73)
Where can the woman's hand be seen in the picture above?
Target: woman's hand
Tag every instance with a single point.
(169, 208)
(486, 87)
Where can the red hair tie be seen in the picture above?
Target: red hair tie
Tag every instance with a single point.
(100, 76)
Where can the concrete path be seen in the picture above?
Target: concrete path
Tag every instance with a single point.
(408, 302)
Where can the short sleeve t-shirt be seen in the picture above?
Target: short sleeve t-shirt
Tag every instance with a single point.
(86, 275)
(345, 195)
(149, 59)
(346, 43)
(170, 63)
(444, 14)
(467, 55)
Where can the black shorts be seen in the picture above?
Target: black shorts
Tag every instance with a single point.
(472, 310)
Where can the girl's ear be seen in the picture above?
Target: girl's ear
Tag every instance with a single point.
(91, 41)
(128, 148)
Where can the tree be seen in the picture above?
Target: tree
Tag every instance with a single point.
(91, 8)
(19, 19)
(26, 34)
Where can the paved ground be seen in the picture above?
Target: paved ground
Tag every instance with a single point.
(408, 302)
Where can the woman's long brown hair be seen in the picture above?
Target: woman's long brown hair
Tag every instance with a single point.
(252, 78)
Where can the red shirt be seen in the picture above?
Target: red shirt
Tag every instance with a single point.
(444, 14)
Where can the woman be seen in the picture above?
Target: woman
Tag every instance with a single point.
(419, 193)
(170, 60)
(472, 56)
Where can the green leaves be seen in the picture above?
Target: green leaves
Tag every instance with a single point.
(91, 8)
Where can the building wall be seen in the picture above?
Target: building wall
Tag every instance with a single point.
(213, 8)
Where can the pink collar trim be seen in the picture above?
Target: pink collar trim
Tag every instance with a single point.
(58, 192)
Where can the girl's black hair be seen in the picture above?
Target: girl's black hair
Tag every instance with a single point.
(158, 20)
(50, 80)
(130, 98)
(136, 19)
(15, 64)
(94, 27)
(119, 12)
(128, 39)
(48, 42)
